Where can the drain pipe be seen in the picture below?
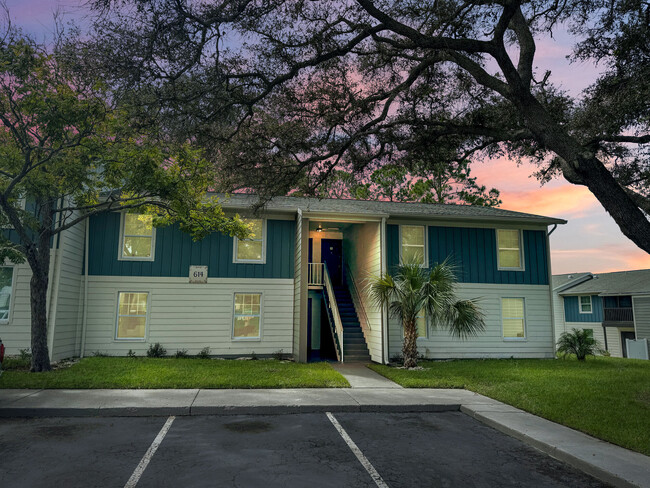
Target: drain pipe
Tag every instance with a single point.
(85, 314)
(552, 230)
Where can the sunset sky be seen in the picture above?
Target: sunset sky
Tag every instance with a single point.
(591, 241)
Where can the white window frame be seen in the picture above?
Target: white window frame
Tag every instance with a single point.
(426, 243)
(591, 304)
(12, 297)
(120, 252)
(522, 266)
(426, 321)
(234, 315)
(146, 320)
(516, 339)
(263, 239)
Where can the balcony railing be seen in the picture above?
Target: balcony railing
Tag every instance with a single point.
(315, 274)
(618, 315)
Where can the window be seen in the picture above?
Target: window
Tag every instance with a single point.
(421, 325)
(413, 248)
(253, 249)
(512, 315)
(137, 241)
(248, 316)
(509, 245)
(585, 304)
(6, 289)
(132, 315)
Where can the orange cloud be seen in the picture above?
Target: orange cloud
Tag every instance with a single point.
(562, 201)
(602, 259)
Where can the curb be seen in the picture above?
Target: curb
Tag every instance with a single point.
(188, 411)
(553, 451)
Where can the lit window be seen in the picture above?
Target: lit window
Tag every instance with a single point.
(252, 249)
(509, 243)
(6, 288)
(131, 315)
(137, 237)
(413, 245)
(512, 313)
(248, 315)
(585, 304)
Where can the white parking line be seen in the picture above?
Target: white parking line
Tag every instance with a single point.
(357, 452)
(135, 477)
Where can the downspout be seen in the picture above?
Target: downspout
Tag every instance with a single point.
(85, 301)
(384, 313)
(53, 290)
(605, 336)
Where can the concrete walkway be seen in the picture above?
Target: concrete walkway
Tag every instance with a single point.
(360, 376)
(607, 462)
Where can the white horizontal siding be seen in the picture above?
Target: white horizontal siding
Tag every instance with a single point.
(190, 316)
(16, 334)
(490, 344)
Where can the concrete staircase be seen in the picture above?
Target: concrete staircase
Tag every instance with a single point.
(355, 348)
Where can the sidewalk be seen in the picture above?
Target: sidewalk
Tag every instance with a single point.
(370, 392)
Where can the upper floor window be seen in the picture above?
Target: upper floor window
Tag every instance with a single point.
(6, 290)
(252, 249)
(138, 236)
(585, 304)
(413, 244)
(510, 250)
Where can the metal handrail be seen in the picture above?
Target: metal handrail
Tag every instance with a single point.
(331, 303)
(355, 293)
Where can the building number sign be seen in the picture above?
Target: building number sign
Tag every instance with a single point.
(198, 274)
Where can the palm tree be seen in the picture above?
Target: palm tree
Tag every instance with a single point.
(579, 342)
(412, 290)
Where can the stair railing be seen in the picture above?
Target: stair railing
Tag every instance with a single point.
(333, 309)
(356, 298)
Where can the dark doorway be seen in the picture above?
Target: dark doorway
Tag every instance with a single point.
(327, 347)
(626, 335)
(332, 255)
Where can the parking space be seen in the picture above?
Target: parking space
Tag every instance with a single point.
(402, 450)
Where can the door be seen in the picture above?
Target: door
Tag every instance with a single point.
(626, 335)
(332, 255)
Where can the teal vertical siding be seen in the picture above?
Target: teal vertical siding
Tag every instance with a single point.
(176, 252)
(474, 253)
(572, 310)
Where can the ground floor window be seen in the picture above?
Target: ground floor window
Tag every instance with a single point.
(6, 290)
(247, 318)
(421, 326)
(512, 316)
(132, 315)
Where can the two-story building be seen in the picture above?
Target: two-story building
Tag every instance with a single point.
(613, 306)
(300, 286)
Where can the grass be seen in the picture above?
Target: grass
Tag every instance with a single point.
(608, 398)
(114, 372)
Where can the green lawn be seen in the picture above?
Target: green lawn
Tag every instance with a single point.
(608, 398)
(113, 372)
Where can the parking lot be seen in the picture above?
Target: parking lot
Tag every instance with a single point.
(317, 450)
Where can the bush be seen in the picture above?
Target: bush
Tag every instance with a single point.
(131, 353)
(181, 353)
(278, 355)
(204, 354)
(25, 355)
(579, 342)
(17, 363)
(156, 351)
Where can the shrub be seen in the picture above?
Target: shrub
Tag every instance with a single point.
(100, 354)
(131, 353)
(25, 355)
(278, 355)
(254, 356)
(204, 354)
(156, 351)
(579, 342)
(181, 353)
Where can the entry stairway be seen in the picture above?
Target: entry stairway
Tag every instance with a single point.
(355, 348)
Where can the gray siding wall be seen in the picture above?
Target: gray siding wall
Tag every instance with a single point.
(362, 252)
(490, 344)
(16, 334)
(190, 316)
(297, 282)
(67, 311)
(641, 306)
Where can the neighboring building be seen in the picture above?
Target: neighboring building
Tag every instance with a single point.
(614, 306)
(300, 286)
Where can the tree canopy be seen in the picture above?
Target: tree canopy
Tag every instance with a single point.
(313, 87)
(66, 153)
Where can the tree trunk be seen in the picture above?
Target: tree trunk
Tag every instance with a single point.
(410, 347)
(38, 289)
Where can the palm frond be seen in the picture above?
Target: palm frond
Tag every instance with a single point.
(466, 319)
